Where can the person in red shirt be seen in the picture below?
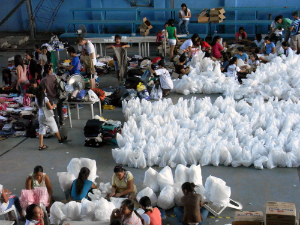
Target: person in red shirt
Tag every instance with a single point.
(241, 36)
(153, 213)
(205, 47)
(118, 44)
(217, 48)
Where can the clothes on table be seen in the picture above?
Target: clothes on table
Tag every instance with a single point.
(122, 185)
(84, 193)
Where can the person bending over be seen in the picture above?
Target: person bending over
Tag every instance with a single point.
(75, 65)
(188, 44)
(179, 68)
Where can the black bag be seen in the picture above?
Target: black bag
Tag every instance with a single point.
(116, 96)
(132, 82)
(93, 128)
(134, 72)
(31, 129)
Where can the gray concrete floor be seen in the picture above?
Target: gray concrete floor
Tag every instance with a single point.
(18, 156)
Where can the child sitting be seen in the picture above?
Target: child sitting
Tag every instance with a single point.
(241, 54)
(226, 57)
(287, 49)
(253, 61)
(258, 43)
(233, 70)
(179, 68)
(153, 213)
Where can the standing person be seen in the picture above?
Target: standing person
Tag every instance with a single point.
(49, 82)
(7, 201)
(241, 36)
(122, 184)
(188, 44)
(295, 32)
(217, 48)
(127, 214)
(179, 68)
(22, 81)
(118, 44)
(184, 18)
(37, 52)
(45, 56)
(92, 53)
(153, 213)
(81, 186)
(276, 32)
(75, 65)
(46, 118)
(192, 211)
(32, 69)
(165, 80)
(87, 63)
(282, 23)
(171, 35)
(34, 215)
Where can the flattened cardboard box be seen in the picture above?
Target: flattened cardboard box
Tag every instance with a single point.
(203, 20)
(146, 24)
(203, 16)
(216, 11)
(277, 212)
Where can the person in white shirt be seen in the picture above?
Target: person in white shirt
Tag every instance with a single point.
(184, 16)
(92, 53)
(253, 61)
(276, 34)
(233, 69)
(166, 82)
(188, 44)
(288, 51)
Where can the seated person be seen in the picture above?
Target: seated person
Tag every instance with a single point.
(81, 186)
(153, 213)
(268, 49)
(188, 44)
(122, 184)
(192, 211)
(164, 78)
(225, 64)
(241, 54)
(233, 69)
(217, 48)
(32, 89)
(205, 47)
(7, 200)
(257, 43)
(179, 68)
(39, 179)
(75, 65)
(34, 215)
(287, 49)
(9, 79)
(127, 214)
(253, 61)
(241, 36)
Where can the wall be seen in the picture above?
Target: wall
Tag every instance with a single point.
(19, 21)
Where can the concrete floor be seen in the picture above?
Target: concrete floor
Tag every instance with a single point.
(18, 157)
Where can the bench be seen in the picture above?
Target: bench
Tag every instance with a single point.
(101, 10)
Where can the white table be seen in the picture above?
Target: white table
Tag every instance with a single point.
(82, 103)
(6, 222)
(86, 223)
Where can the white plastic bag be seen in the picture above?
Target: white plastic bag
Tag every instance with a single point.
(195, 175)
(165, 177)
(117, 201)
(73, 211)
(148, 192)
(181, 174)
(178, 193)
(65, 180)
(87, 210)
(74, 166)
(150, 179)
(106, 188)
(166, 198)
(57, 213)
(91, 164)
(103, 209)
(92, 96)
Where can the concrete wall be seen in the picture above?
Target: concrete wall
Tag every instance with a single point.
(19, 21)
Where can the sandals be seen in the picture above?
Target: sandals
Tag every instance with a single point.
(43, 147)
(63, 139)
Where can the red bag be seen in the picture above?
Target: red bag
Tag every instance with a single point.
(26, 100)
(99, 92)
(159, 37)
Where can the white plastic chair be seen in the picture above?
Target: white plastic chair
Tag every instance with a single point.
(12, 208)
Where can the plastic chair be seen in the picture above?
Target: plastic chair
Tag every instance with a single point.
(12, 208)
(217, 210)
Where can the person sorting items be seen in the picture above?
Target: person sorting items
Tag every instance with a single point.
(75, 65)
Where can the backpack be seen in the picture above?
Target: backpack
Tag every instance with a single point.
(60, 88)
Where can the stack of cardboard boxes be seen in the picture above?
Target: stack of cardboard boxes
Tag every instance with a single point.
(203, 16)
(216, 15)
(145, 27)
(277, 213)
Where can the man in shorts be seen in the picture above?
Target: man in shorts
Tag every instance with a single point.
(295, 32)
(83, 43)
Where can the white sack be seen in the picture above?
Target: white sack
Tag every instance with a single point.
(87, 210)
(195, 175)
(166, 198)
(149, 193)
(150, 179)
(165, 177)
(181, 174)
(65, 180)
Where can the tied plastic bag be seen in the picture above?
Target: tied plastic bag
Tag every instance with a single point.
(73, 211)
(103, 210)
(87, 210)
(195, 175)
(105, 188)
(65, 180)
(178, 194)
(76, 164)
(92, 96)
(148, 192)
(181, 174)
(150, 179)
(156, 93)
(166, 198)
(165, 177)
(57, 213)
(216, 191)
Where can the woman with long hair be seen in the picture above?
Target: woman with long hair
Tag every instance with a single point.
(184, 18)
(192, 211)
(46, 117)
(171, 37)
(241, 36)
(21, 73)
(188, 44)
(81, 186)
(217, 48)
(127, 214)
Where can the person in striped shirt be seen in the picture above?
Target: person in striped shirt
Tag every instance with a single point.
(295, 32)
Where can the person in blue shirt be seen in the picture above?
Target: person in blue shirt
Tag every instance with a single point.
(269, 46)
(75, 65)
(295, 32)
(241, 54)
(81, 186)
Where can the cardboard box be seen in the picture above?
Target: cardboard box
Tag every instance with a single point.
(248, 218)
(247, 223)
(144, 32)
(146, 24)
(280, 213)
(216, 11)
(203, 16)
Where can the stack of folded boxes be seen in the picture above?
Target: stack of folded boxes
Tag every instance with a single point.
(216, 15)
